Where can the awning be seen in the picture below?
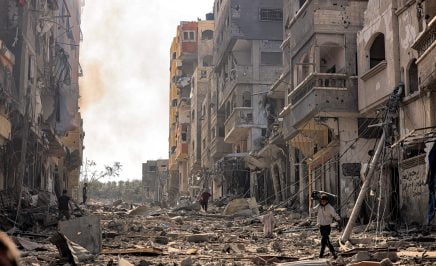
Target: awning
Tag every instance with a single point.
(416, 136)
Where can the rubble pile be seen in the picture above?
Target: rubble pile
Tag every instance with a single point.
(122, 234)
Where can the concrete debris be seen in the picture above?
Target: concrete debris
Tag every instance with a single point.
(84, 231)
(124, 262)
(196, 238)
(186, 262)
(242, 207)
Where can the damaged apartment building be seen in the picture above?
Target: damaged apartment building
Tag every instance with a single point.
(154, 180)
(247, 59)
(41, 131)
(301, 93)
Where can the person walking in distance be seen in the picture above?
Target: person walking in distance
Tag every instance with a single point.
(325, 216)
(85, 193)
(204, 199)
(64, 206)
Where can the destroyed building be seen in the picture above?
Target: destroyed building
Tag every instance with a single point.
(296, 101)
(247, 59)
(391, 53)
(183, 62)
(154, 180)
(41, 126)
(200, 87)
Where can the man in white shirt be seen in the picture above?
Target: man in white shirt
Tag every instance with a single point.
(326, 215)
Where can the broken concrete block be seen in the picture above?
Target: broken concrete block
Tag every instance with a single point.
(186, 262)
(362, 256)
(198, 238)
(124, 262)
(242, 206)
(161, 240)
(74, 252)
(192, 251)
(141, 210)
(379, 256)
(84, 231)
(386, 262)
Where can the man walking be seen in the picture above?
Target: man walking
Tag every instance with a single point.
(64, 206)
(204, 200)
(325, 216)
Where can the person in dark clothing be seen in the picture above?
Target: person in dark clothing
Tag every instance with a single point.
(85, 193)
(431, 183)
(325, 216)
(204, 199)
(64, 206)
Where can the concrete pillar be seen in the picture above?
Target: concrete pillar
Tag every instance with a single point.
(304, 189)
(276, 184)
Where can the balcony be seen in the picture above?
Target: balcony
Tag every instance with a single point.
(321, 92)
(236, 76)
(239, 122)
(426, 47)
(182, 152)
(218, 148)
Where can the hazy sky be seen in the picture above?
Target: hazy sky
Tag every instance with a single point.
(125, 58)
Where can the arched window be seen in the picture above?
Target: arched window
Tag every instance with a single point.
(246, 99)
(207, 35)
(377, 51)
(207, 61)
(412, 76)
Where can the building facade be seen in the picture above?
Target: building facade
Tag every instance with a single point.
(41, 127)
(154, 180)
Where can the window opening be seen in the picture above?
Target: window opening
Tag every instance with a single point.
(267, 14)
(377, 51)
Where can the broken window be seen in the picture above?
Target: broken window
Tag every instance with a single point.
(174, 56)
(174, 103)
(193, 115)
(332, 58)
(203, 74)
(377, 51)
(184, 136)
(207, 35)
(246, 99)
(268, 14)
(271, 58)
(412, 76)
(207, 61)
(221, 132)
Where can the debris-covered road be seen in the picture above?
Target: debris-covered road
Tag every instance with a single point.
(233, 235)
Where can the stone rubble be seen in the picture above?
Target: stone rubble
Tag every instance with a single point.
(190, 237)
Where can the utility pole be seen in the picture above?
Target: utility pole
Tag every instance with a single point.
(391, 113)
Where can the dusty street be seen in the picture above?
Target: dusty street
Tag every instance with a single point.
(186, 236)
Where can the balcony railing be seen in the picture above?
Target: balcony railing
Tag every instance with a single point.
(317, 81)
(241, 117)
(426, 39)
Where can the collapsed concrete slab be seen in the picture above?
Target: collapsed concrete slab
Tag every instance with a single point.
(243, 207)
(84, 231)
